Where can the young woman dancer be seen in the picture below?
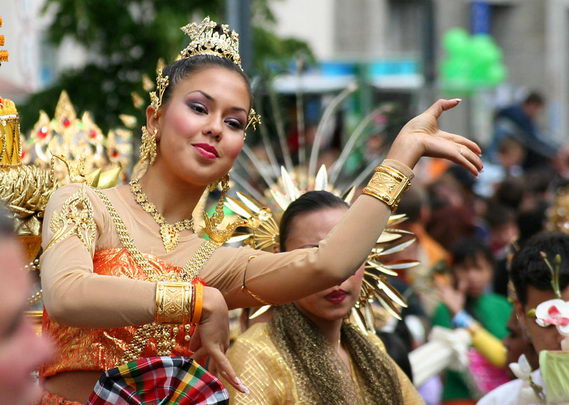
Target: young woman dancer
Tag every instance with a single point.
(124, 275)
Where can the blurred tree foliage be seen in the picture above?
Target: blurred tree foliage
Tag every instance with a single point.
(125, 39)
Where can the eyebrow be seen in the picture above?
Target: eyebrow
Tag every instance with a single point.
(210, 98)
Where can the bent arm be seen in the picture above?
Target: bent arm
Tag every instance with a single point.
(290, 276)
(284, 277)
(72, 293)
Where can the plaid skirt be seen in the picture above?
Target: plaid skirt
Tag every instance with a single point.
(159, 380)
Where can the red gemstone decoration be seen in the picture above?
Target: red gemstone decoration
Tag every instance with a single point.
(115, 153)
(42, 132)
(66, 123)
(93, 133)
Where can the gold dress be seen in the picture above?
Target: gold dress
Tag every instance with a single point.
(92, 288)
(270, 378)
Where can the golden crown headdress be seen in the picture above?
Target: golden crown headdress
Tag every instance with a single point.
(206, 38)
(210, 38)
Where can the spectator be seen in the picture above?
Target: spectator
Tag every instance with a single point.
(21, 350)
(468, 298)
(519, 121)
(532, 283)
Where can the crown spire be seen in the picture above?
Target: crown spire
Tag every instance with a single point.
(211, 38)
(3, 53)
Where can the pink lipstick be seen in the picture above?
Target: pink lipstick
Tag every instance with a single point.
(336, 296)
(206, 150)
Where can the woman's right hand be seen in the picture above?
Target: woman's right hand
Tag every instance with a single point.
(422, 136)
(211, 338)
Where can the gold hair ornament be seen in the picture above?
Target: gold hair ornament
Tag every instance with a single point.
(210, 38)
(162, 83)
(253, 119)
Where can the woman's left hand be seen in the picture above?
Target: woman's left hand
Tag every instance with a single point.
(422, 136)
(211, 339)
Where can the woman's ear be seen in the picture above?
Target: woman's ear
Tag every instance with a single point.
(152, 118)
(520, 314)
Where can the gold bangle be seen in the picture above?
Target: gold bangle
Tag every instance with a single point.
(248, 291)
(387, 185)
(174, 302)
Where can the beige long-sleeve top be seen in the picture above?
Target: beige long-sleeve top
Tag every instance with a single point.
(75, 295)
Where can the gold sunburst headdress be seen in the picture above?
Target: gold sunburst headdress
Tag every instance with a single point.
(260, 220)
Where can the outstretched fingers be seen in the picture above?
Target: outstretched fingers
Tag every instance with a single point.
(473, 146)
(441, 105)
(457, 153)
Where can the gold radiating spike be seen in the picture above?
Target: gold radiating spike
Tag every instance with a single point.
(260, 311)
(321, 181)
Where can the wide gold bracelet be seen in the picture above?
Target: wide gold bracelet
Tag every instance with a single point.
(174, 302)
(387, 185)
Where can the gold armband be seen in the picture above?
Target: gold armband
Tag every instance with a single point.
(387, 185)
(174, 302)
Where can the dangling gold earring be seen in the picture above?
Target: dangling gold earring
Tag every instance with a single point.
(218, 216)
(148, 149)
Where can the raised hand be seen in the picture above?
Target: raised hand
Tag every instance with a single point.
(422, 136)
(211, 339)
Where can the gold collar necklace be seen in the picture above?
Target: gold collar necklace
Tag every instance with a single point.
(168, 232)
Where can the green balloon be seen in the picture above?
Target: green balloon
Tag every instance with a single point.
(456, 42)
(497, 74)
(455, 68)
(484, 50)
(455, 74)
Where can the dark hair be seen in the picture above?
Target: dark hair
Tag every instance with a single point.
(308, 202)
(529, 269)
(6, 222)
(395, 347)
(180, 69)
(534, 98)
(498, 215)
(469, 250)
(510, 193)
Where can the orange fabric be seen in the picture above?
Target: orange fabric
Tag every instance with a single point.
(102, 349)
(437, 167)
(433, 250)
(52, 399)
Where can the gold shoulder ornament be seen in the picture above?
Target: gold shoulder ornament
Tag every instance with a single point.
(74, 218)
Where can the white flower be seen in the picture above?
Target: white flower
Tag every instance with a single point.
(554, 312)
(521, 369)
